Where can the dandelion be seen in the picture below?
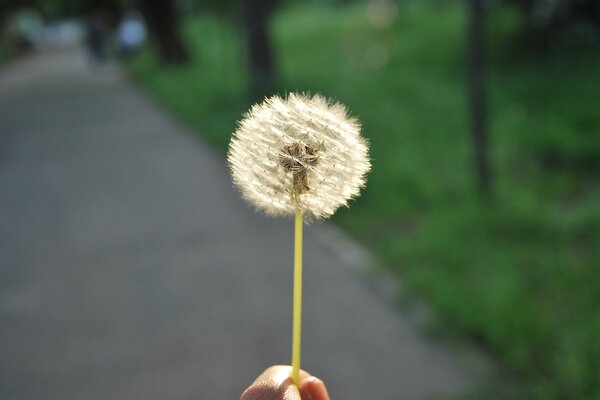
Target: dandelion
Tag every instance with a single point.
(301, 155)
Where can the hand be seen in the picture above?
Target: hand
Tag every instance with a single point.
(276, 384)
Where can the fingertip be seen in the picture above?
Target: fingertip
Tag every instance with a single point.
(312, 388)
(302, 375)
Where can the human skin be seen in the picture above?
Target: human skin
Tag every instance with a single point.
(276, 383)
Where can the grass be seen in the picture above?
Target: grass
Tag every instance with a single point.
(520, 275)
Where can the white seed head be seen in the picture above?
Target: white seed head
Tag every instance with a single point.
(303, 152)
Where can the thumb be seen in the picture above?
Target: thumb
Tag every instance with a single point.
(275, 383)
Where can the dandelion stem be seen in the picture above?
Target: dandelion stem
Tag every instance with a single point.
(297, 318)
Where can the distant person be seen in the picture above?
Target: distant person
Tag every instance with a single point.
(131, 33)
(97, 36)
(276, 384)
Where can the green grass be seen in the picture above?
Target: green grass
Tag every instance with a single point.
(519, 276)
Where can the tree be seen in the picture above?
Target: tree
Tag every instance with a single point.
(255, 15)
(477, 97)
(163, 23)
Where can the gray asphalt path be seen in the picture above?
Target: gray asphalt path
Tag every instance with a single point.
(131, 269)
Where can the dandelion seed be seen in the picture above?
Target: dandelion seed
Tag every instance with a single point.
(301, 153)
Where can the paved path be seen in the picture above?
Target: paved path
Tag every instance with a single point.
(130, 268)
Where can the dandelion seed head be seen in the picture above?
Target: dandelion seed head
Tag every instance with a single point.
(302, 152)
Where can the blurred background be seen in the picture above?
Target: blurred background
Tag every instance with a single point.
(484, 123)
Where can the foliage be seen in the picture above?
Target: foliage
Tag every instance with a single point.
(214, 82)
(519, 276)
(62, 8)
(549, 17)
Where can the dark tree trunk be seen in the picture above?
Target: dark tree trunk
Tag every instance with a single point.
(163, 23)
(477, 97)
(255, 15)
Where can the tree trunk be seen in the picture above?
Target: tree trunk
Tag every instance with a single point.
(163, 23)
(255, 14)
(477, 97)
